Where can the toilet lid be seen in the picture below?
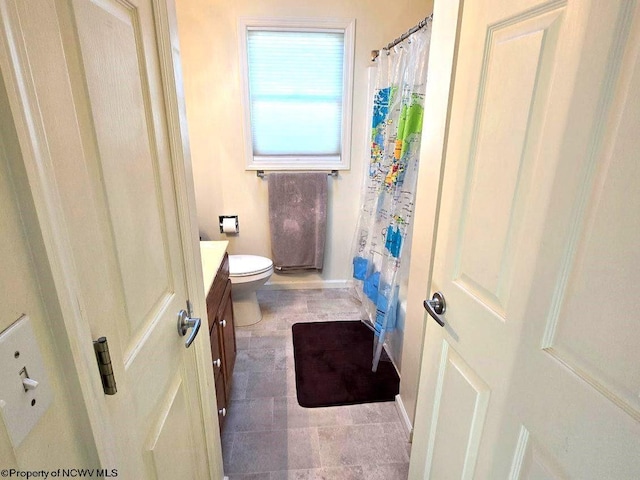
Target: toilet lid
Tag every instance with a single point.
(243, 265)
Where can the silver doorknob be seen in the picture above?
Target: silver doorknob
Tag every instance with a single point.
(223, 412)
(217, 363)
(223, 323)
(185, 323)
(436, 307)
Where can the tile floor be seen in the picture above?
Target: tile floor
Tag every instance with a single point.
(268, 436)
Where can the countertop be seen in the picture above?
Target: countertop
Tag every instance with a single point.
(212, 253)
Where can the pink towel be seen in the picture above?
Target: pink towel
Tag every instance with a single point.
(298, 218)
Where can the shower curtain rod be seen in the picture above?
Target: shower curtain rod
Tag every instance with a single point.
(401, 38)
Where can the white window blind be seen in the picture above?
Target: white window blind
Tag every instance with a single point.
(296, 92)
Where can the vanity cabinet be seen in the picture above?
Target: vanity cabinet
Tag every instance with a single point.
(222, 336)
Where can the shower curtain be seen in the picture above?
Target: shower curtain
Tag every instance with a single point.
(379, 247)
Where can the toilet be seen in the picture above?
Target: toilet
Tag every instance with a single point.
(247, 273)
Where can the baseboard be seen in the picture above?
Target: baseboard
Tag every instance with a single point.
(406, 423)
(305, 285)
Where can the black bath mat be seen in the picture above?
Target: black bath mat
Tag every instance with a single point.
(333, 365)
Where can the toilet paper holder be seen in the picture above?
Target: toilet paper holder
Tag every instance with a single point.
(234, 218)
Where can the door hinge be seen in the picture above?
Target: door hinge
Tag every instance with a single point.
(103, 357)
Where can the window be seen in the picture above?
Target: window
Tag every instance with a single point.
(297, 93)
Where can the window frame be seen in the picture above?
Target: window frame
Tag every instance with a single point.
(295, 162)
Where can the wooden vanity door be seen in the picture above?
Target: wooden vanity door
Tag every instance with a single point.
(217, 362)
(228, 336)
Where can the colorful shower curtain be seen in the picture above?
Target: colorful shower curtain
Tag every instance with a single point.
(389, 191)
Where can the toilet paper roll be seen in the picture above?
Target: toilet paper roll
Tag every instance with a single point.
(229, 225)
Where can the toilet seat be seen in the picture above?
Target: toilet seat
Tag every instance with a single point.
(247, 265)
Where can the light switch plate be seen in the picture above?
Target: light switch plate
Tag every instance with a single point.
(20, 357)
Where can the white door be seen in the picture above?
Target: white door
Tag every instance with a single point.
(535, 374)
(89, 73)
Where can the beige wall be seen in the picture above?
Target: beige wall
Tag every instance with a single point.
(210, 59)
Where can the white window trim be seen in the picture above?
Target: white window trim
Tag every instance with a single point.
(341, 162)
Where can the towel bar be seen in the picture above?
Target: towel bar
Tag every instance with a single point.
(261, 174)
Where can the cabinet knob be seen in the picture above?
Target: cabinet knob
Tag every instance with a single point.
(223, 323)
(223, 412)
(217, 363)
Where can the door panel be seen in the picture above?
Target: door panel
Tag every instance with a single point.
(460, 408)
(599, 258)
(109, 36)
(86, 90)
(173, 456)
(125, 193)
(532, 462)
(499, 175)
(535, 223)
(141, 214)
